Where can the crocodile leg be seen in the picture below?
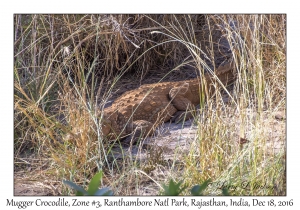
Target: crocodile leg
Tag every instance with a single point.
(178, 96)
(181, 116)
(138, 129)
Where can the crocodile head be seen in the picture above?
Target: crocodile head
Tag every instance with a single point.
(108, 122)
(106, 126)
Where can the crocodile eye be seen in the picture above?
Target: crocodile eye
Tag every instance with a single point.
(105, 129)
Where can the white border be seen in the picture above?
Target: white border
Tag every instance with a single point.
(154, 6)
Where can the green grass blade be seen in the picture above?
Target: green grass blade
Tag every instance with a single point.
(94, 184)
(75, 187)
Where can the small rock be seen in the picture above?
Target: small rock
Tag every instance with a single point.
(280, 115)
(243, 141)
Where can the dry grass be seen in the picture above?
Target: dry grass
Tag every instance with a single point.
(66, 68)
